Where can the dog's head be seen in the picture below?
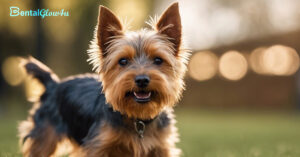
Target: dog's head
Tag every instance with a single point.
(141, 72)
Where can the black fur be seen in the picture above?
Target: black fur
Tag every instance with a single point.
(75, 106)
(42, 75)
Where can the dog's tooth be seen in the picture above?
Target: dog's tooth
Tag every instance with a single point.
(142, 96)
(149, 94)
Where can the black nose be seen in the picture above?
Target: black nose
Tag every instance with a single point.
(142, 81)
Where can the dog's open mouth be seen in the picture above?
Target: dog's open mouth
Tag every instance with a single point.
(142, 96)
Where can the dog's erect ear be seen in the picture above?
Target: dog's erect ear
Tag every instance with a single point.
(109, 26)
(169, 24)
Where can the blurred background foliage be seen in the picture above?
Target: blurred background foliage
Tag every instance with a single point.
(243, 85)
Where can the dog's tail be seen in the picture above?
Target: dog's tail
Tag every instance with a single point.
(39, 71)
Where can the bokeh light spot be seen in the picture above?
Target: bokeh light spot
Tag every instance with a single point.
(12, 72)
(256, 60)
(203, 66)
(233, 65)
(281, 60)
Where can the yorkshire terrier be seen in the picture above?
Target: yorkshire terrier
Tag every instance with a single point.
(123, 111)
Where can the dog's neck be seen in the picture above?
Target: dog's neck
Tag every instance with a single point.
(136, 124)
(139, 125)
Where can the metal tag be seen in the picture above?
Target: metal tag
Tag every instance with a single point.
(139, 128)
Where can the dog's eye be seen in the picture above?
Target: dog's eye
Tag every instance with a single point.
(123, 61)
(157, 61)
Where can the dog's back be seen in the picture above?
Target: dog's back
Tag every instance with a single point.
(70, 107)
(80, 102)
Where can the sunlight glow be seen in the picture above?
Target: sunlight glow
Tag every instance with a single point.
(256, 60)
(203, 66)
(280, 60)
(233, 65)
(132, 11)
(12, 72)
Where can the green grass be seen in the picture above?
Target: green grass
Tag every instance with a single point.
(238, 134)
(8, 137)
(211, 134)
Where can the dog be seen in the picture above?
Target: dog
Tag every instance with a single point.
(125, 110)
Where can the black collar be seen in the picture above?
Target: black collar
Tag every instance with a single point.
(139, 124)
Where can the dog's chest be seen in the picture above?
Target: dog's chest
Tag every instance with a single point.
(114, 142)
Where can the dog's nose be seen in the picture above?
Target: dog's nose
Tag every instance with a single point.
(142, 81)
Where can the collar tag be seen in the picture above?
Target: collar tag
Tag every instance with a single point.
(139, 128)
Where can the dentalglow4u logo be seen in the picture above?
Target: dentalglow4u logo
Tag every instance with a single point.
(16, 11)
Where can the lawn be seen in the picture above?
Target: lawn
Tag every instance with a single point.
(239, 134)
(211, 134)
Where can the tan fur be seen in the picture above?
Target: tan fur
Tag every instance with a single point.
(166, 79)
(112, 142)
(108, 25)
(140, 48)
(47, 143)
(43, 145)
(169, 24)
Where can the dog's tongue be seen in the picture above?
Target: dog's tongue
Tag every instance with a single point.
(142, 95)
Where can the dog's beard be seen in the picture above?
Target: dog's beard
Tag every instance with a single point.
(143, 103)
